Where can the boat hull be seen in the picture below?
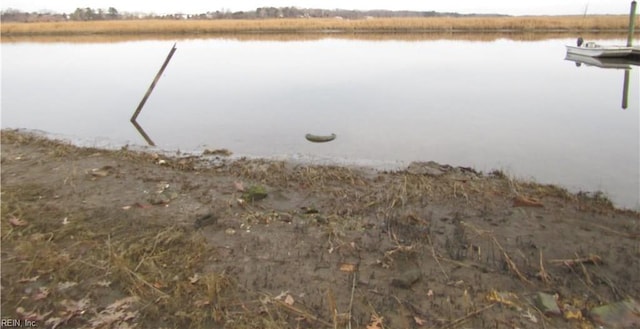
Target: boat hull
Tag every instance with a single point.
(603, 51)
(623, 63)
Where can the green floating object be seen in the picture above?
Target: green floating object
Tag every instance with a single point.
(621, 314)
(320, 138)
(255, 193)
(547, 304)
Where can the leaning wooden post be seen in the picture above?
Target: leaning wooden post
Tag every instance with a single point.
(632, 23)
(153, 84)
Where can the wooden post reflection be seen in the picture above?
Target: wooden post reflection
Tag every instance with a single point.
(625, 89)
(143, 133)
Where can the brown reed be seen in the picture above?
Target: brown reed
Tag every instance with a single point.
(602, 23)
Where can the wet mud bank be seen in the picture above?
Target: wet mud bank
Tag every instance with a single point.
(96, 238)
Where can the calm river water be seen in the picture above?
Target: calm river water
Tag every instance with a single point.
(518, 106)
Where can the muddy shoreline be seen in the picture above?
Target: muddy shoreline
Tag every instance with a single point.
(112, 238)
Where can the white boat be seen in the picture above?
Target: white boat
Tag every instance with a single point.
(593, 49)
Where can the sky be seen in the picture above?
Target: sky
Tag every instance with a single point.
(509, 7)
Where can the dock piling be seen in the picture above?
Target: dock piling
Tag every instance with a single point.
(632, 23)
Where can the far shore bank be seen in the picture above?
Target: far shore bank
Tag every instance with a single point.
(311, 36)
(610, 24)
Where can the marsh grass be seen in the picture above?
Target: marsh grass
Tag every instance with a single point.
(312, 36)
(395, 25)
(95, 260)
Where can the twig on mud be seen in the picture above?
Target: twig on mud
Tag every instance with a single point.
(145, 282)
(614, 289)
(109, 245)
(455, 194)
(544, 276)
(153, 249)
(404, 189)
(586, 284)
(586, 273)
(433, 253)
(353, 291)
(388, 260)
(92, 265)
(542, 316)
(470, 265)
(467, 317)
(332, 308)
(591, 259)
(264, 301)
(398, 248)
(510, 263)
(300, 312)
(131, 273)
(626, 235)
(512, 266)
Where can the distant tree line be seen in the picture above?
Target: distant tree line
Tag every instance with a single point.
(90, 14)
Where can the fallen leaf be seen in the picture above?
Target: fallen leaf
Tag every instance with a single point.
(66, 285)
(31, 279)
(376, 322)
(504, 298)
(195, 278)
(31, 316)
(419, 321)
(42, 293)
(281, 295)
(54, 322)
(39, 237)
(201, 302)
(347, 267)
(15, 221)
(158, 285)
(521, 201)
(123, 303)
(102, 172)
(239, 186)
(142, 205)
(289, 300)
(103, 283)
(572, 313)
(116, 314)
(530, 316)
